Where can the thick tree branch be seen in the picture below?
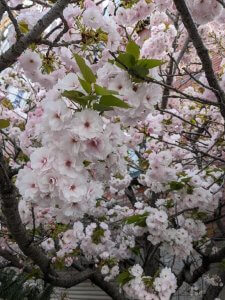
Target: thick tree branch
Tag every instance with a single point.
(110, 288)
(213, 292)
(61, 44)
(185, 274)
(2, 10)
(12, 54)
(12, 259)
(68, 279)
(202, 52)
(9, 203)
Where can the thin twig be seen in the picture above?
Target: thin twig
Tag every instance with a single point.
(152, 80)
(12, 18)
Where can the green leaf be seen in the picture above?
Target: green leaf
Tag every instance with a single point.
(125, 61)
(124, 277)
(4, 123)
(7, 103)
(23, 27)
(99, 90)
(150, 63)
(86, 163)
(85, 70)
(85, 85)
(59, 264)
(139, 71)
(33, 46)
(59, 228)
(89, 97)
(76, 96)
(110, 100)
(176, 185)
(72, 94)
(133, 49)
(101, 108)
(190, 190)
(148, 282)
(138, 220)
(169, 203)
(97, 234)
(111, 61)
(222, 264)
(193, 121)
(185, 179)
(199, 215)
(47, 67)
(136, 250)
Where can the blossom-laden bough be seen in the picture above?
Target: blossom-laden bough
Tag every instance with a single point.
(113, 168)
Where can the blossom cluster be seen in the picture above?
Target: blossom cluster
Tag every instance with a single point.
(144, 287)
(105, 180)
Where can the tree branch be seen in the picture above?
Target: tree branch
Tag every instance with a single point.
(12, 259)
(202, 52)
(152, 80)
(185, 274)
(60, 35)
(12, 54)
(2, 10)
(110, 288)
(12, 18)
(9, 202)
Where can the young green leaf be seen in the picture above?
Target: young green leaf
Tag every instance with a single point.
(176, 185)
(4, 123)
(139, 71)
(97, 234)
(76, 96)
(85, 70)
(72, 94)
(7, 103)
(85, 85)
(23, 27)
(150, 63)
(110, 100)
(138, 220)
(124, 277)
(99, 90)
(125, 61)
(133, 49)
(101, 108)
(136, 250)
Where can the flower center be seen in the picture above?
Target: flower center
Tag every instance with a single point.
(68, 163)
(73, 187)
(87, 124)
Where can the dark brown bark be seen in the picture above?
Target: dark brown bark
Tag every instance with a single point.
(9, 204)
(213, 292)
(111, 289)
(2, 10)
(12, 54)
